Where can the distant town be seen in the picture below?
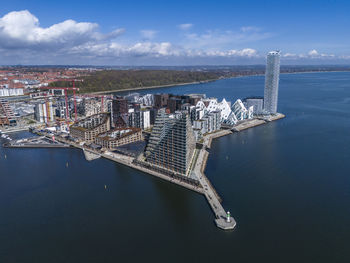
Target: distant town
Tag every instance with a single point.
(164, 135)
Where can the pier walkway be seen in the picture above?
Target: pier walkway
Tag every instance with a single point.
(208, 190)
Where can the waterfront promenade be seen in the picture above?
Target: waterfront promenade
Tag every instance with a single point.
(129, 161)
(246, 124)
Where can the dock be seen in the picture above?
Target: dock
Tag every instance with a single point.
(13, 129)
(246, 124)
(36, 142)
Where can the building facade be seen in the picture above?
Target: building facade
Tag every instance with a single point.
(119, 112)
(256, 102)
(43, 112)
(6, 92)
(88, 128)
(271, 82)
(172, 143)
(7, 117)
(140, 119)
(117, 137)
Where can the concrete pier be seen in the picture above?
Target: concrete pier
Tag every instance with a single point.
(246, 124)
(36, 142)
(90, 156)
(209, 191)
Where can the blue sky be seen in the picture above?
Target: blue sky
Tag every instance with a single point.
(173, 32)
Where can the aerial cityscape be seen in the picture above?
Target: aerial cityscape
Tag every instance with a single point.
(146, 132)
(167, 134)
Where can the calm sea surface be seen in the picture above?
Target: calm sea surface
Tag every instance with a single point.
(286, 183)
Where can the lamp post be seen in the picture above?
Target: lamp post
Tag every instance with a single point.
(228, 217)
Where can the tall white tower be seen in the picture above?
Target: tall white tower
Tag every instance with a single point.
(271, 82)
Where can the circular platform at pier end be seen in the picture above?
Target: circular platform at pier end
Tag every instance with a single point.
(223, 224)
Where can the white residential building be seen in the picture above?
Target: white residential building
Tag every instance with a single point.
(43, 112)
(239, 110)
(6, 92)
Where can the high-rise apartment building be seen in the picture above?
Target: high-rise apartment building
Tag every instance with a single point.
(119, 113)
(271, 82)
(172, 143)
(139, 119)
(43, 112)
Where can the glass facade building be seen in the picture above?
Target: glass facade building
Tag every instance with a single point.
(271, 82)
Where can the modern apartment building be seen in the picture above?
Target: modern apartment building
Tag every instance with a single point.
(88, 128)
(256, 102)
(43, 112)
(117, 137)
(119, 112)
(172, 143)
(271, 82)
(139, 118)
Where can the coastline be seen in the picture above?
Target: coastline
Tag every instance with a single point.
(177, 84)
(151, 87)
(204, 81)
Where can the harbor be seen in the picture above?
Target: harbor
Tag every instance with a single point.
(197, 182)
(170, 134)
(256, 172)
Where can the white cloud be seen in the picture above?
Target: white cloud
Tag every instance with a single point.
(117, 50)
(247, 52)
(148, 34)
(313, 53)
(289, 55)
(223, 39)
(185, 26)
(21, 29)
(23, 40)
(243, 53)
